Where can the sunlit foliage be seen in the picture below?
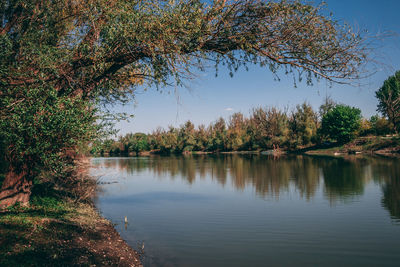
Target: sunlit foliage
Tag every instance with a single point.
(60, 60)
(341, 123)
(389, 100)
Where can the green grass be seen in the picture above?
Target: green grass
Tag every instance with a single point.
(369, 144)
(39, 235)
(25, 233)
(378, 143)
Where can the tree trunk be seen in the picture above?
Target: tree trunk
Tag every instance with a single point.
(16, 188)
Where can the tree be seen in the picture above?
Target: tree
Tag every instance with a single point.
(277, 127)
(236, 131)
(202, 138)
(328, 105)
(303, 124)
(169, 140)
(380, 125)
(365, 127)
(341, 123)
(218, 135)
(73, 55)
(187, 137)
(257, 127)
(138, 142)
(389, 100)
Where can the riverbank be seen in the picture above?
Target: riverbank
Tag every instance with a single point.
(378, 145)
(51, 232)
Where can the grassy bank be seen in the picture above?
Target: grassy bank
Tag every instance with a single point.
(387, 146)
(51, 232)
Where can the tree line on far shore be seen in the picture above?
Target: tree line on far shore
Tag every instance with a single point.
(62, 61)
(264, 129)
(269, 128)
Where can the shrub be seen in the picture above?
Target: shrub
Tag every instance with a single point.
(341, 123)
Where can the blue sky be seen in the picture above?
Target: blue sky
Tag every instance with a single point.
(210, 97)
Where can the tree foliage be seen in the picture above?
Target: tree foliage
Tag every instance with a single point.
(341, 123)
(328, 105)
(264, 129)
(60, 59)
(303, 124)
(380, 125)
(102, 47)
(389, 100)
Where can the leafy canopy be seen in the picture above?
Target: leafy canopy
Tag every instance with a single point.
(60, 59)
(389, 100)
(341, 123)
(103, 48)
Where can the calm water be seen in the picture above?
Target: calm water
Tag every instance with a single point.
(252, 210)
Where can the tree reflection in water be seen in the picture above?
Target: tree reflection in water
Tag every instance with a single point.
(342, 178)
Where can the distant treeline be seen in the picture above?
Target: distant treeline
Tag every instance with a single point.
(264, 129)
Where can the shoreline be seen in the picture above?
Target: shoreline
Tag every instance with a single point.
(369, 145)
(63, 234)
(56, 232)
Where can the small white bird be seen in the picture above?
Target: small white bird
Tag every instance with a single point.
(126, 219)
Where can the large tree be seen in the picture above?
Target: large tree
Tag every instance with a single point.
(60, 59)
(341, 123)
(303, 124)
(389, 100)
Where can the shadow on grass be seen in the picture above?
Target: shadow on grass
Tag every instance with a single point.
(383, 144)
(34, 214)
(45, 236)
(33, 238)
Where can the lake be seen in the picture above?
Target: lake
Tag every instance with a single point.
(254, 210)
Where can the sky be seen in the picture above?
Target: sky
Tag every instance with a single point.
(210, 97)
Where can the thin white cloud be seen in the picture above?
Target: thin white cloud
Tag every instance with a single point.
(229, 109)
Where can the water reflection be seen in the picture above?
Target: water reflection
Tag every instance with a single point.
(389, 175)
(345, 178)
(255, 210)
(342, 179)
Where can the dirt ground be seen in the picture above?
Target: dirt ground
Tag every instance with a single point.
(61, 237)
